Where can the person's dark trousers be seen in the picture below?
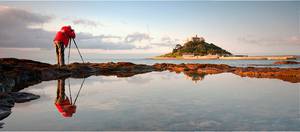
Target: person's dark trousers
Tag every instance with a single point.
(60, 93)
(60, 54)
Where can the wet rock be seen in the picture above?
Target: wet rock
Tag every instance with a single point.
(121, 64)
(285, 74)
(17, 74)
(6, 84)
(162, 66)
(4, 114)
(285, 62)
(6, 103)
(192, 66)
(1, 124)
(210, 70)
(21, 97)
(8, 100)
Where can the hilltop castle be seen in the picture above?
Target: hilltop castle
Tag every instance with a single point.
(195, 39)
(198, 39)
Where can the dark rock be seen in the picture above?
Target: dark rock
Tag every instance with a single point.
(1, 124)
(4, 114)
(6, 100)
(21, 97)
(6, 103)
(285, 62)
(6, 84)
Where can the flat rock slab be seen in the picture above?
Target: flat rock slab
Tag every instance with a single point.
(4, 114)
(21, 97)
(286, 62)
(8, 100)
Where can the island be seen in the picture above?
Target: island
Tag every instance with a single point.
(198, 48)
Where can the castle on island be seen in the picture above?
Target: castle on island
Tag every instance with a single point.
(198, 39)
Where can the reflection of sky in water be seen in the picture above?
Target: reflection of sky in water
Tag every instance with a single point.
(165, 101)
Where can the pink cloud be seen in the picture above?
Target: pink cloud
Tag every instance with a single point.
(294, 39)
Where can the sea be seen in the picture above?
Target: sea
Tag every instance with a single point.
(48, 56)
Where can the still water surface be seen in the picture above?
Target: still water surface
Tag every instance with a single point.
(163, 101)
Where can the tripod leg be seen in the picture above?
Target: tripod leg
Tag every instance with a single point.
(78, 50)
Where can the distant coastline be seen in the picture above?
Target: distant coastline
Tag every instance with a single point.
(275, 57)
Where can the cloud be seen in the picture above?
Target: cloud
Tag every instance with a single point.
(86, 22)
(264, 41)
(137, 37)
(293, 40)
(166, 42)
(89, 41)
(21, 17)
(166, 39)
(16, 33)
(163, 44)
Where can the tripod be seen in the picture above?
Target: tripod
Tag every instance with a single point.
(70, 42)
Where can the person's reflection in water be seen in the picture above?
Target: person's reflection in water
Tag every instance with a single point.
(62, 102)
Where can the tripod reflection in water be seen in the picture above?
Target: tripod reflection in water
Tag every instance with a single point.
(65, 104)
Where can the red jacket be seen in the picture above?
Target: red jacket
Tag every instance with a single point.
(64, 35)
(66, 108)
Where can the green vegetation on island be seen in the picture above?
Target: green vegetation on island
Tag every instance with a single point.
(196, 47)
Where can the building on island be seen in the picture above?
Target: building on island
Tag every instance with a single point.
(188, 55)
(195, 39)
(198, 39)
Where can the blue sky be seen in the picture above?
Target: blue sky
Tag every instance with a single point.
(240, 27)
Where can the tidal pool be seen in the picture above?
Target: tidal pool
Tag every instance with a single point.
(162, 101)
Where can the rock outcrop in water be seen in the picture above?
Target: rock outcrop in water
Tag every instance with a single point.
(17, 74)
(8, 100)
(285, 62)
(286, 74)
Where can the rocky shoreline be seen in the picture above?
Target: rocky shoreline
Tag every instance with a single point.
(17, 74)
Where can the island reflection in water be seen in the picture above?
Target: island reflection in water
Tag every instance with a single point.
(164, 101)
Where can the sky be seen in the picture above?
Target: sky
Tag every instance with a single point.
(253, 28)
